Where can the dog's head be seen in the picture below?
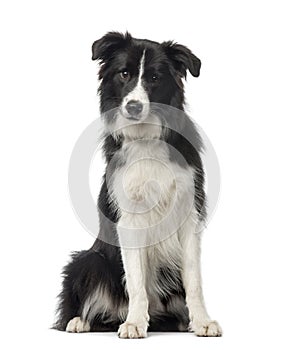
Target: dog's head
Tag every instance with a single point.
(135, 73)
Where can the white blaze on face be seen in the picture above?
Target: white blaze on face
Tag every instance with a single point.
(147, 125)
(138, 93)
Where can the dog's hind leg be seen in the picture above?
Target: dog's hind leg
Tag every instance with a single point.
(81, 278)
(70, 297)
(92, 296)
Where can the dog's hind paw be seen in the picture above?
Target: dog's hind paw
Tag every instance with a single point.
(76, 325)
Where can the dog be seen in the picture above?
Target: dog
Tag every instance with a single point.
(143, 271)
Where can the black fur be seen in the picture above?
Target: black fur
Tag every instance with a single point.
(101, 264)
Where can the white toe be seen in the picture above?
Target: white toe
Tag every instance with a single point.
(76, 325)
(206, 328)
(132, 330)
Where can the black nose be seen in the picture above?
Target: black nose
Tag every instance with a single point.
(134, 108)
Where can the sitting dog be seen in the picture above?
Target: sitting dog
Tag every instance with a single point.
(143, 271)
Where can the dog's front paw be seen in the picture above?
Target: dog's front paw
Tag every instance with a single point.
(76, 325)
(205, 328)
(129, 330)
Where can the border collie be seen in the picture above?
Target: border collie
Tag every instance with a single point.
(143, 271)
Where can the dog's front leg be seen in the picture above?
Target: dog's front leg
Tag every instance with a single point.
(136, 323)
(200, 322)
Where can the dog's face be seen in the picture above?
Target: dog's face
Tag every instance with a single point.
(135, 73)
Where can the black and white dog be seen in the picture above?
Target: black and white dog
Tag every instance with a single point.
(143, 270)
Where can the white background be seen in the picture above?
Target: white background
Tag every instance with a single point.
(48, 96)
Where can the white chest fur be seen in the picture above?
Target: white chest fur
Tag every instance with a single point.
(154, 195)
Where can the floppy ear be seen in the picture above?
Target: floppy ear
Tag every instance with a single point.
(182, 58)
(104, 48)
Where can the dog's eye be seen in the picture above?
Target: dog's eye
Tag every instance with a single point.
(124, 75)
(154, 78)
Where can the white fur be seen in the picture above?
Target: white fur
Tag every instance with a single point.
(132, 330)
(200, 322)
(147, 128)
(155, 198)
(138, 93)
(100, 303)
(154, 195)
(206, 328)
(136, 323)
(157, 226)
(76, 325)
